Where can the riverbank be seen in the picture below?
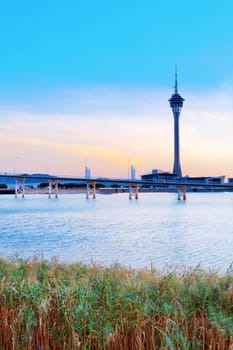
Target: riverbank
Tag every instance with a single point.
(49, 305)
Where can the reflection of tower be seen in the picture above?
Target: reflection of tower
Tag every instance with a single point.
(176, 103)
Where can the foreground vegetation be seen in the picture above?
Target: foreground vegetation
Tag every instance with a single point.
(48, 305)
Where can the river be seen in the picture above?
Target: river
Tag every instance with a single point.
(157, 229)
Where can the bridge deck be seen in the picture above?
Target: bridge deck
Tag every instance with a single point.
(178, 182)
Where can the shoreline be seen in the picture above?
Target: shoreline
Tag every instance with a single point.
(107, 191)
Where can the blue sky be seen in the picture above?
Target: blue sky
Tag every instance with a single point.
(113, 61)
(55, 44)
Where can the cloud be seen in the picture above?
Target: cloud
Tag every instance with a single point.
(110, 127)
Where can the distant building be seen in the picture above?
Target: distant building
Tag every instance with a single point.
(158, 175)
(215, 180)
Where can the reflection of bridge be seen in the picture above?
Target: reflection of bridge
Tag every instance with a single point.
(180, 184)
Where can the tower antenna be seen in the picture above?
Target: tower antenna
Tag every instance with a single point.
(176, 83)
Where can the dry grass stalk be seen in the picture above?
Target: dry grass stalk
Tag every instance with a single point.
(47, 305)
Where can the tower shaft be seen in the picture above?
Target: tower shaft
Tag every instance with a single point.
(176, 104)
(176, 166)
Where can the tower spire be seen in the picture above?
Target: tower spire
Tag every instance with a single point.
(176, 83)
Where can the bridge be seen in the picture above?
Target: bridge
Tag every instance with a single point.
(180, 184)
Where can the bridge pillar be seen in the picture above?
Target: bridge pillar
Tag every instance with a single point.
(133, 191)
(50, 190)
(19, 186)
(91, 189)
(56, 189)
(53, 188)
(178, 193)
(181, 192)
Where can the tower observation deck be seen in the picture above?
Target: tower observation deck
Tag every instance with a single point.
(176, 103)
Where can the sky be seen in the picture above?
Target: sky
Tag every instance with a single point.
(88, 82)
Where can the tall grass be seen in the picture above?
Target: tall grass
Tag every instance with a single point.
(49, 305)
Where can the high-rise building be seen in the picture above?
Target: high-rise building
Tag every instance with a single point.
(176, 103)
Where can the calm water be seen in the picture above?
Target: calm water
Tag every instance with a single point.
(155, 229)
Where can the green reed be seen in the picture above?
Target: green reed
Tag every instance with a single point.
(48, 305)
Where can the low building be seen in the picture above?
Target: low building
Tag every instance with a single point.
(158, 175)
(215, 180)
